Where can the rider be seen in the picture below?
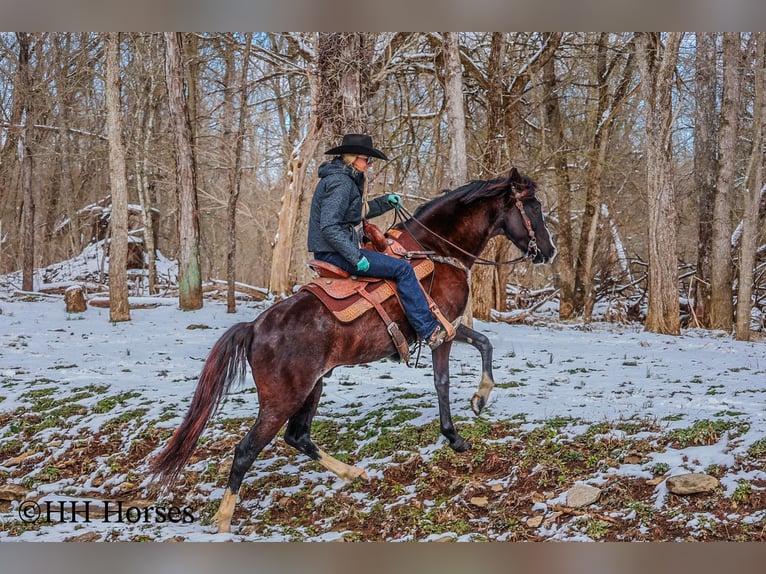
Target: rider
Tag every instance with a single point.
(337, 208)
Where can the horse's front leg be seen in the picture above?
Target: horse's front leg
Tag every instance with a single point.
(484, 346)
(441, 381)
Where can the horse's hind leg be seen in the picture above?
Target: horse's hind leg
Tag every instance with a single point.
(484, 346)
(298, 435)
(260, 434)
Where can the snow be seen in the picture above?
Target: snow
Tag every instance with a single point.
(587, 373)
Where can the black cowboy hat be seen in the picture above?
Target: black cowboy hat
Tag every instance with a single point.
(359, 144)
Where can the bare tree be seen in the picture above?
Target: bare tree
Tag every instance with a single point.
(340, 91)
(657, 64)
(453, 95)
(147, 112)
(721, 304)
(295, 190)
(488, 285)
(235, 162)
(609, 99)
(189, 277)
(119, 309)
(705, 164)
(556, 144)
(752, 192)
(25, 149)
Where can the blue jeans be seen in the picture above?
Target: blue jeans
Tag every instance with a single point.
(412, 298)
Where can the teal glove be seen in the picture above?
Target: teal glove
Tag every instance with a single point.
(363, 264)
(394, 199)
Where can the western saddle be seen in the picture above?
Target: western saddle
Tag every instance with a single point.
(348, 296)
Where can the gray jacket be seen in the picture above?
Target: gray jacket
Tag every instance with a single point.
(336, 210)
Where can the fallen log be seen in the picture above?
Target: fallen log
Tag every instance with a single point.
(135, 302)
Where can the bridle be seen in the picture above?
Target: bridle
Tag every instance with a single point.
(518, 198)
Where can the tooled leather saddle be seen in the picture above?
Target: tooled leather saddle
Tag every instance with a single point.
(348, 296)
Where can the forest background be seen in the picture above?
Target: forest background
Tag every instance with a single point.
(647, 149)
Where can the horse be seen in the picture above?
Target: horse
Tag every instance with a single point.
(295, 343)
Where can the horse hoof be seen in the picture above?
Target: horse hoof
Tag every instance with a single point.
(460, 445)
(477, 404)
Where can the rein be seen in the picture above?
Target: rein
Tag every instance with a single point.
(531, 246)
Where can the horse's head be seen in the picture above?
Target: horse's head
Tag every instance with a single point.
(523, 222)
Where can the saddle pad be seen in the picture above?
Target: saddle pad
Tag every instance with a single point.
(341, 296)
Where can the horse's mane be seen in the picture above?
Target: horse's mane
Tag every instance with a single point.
(475, 190)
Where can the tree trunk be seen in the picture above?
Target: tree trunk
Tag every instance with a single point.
(752, 193)
(556, 147)
(721, 305)
(279, 282)
(343, 62)
(189, 278)
(143, 171)
(453, 94)
(657, 69)
(705, 166)
(119, 309)
(588, 235)
(235, 172)
(25, 148)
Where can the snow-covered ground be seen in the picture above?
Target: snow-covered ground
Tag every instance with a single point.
(148, 367)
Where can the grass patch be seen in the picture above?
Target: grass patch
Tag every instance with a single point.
(123, 419)
(705, 432)
(108, 403)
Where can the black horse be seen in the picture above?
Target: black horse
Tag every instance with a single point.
(291, 346)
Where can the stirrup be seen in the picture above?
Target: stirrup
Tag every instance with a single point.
(436, 338)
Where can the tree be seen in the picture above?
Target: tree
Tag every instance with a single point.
(752, 191)
(147, 112)
(340, 94)
(25, 149)
(705, 165)
(235, 161)
(608, 101)
(189, 277)
(557, 149)
(721, 305)
(488, 284)
(657, 64)
(119, 309)
(457, 173)
(294, 190)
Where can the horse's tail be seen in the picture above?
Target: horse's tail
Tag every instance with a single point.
(225, 364)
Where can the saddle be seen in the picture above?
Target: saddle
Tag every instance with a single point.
(348, 296)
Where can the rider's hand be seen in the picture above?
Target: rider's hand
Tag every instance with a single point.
(363, 264)
(394, 199)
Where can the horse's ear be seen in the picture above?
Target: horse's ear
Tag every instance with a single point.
(514, 176)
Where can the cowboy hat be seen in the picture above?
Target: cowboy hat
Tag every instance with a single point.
(359, 144)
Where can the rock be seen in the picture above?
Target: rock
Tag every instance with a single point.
(480, 501)
(22, 457)
(75, 299)
(692, 483)
(535, 521)
(127, 487)
(497, 488)
(13, 492)
(85, 537)
(582, 495)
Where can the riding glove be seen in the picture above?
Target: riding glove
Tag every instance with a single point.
(394, 199)
(363, 264)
